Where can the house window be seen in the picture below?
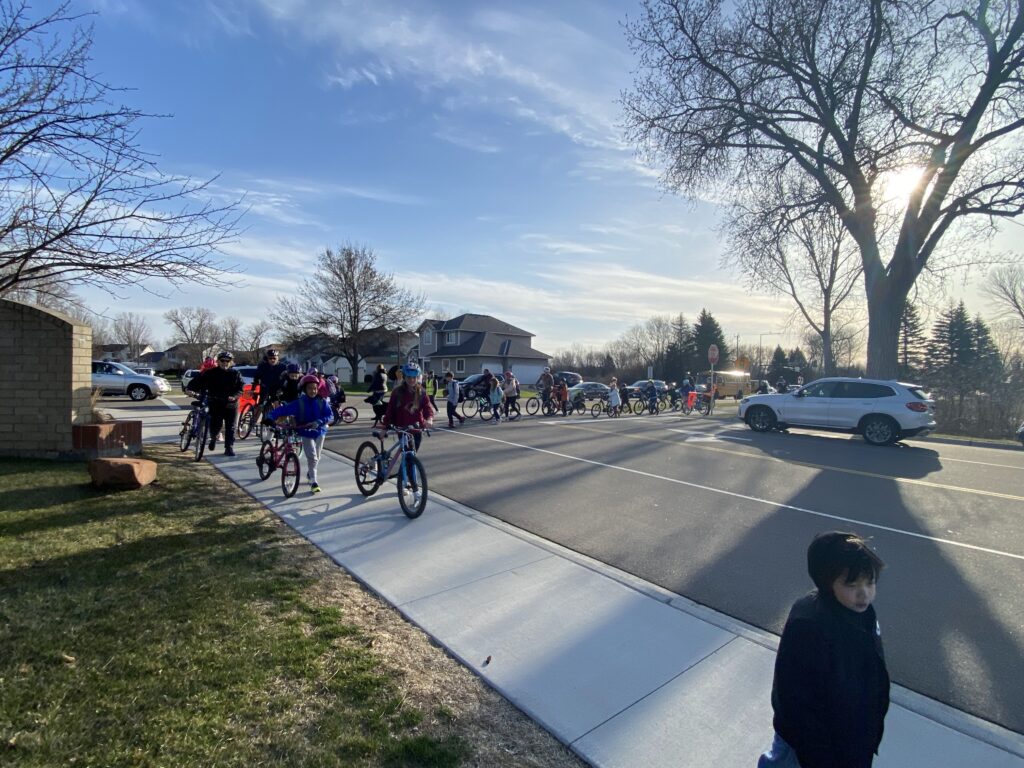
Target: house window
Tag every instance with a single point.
(446, 365)
(428, 336)
(460, 365)
(452, 337)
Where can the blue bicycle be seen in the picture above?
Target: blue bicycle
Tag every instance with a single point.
(195, 430)
(374, 465)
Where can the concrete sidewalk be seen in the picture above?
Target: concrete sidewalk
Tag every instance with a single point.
(622, 671)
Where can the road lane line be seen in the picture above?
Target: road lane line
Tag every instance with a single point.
(982, 463)
(745, 497)
(706, 436)
(704, 446)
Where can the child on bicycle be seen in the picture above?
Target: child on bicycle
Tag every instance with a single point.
(561, 396)
(312, 414)
(409, 405)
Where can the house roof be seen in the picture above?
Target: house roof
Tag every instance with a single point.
(471, 322)
(112, 347)
(487, 345)
(151, 357)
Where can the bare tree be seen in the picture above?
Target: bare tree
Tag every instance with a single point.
(1005, 285)
(254, 337)
(810, 257)
(229, 333)
(80, 201)
(194, 326)
(848, 94)
(133, 331)
(346, 298)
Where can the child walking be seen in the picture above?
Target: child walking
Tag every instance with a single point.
(312, 414)
(451, 389)
(831, 687)
(495, 396)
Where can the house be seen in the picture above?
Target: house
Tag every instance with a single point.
(182, 356)
(117, 353)
(469, 343)
(379, 345)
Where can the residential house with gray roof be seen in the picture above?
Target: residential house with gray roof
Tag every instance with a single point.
(469, 343)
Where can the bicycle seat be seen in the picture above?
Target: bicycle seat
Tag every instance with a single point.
(197, 403)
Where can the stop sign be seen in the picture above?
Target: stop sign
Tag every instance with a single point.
(713, 354)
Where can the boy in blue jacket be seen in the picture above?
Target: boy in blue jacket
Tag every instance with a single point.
(831, 688)
(312, 414)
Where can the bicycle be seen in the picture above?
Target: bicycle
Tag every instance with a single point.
(281, 453)
(476, 406)
(374, 465)
(602, 407)
(195, 430)
(249, 403)
(512, 412)
(346, 414)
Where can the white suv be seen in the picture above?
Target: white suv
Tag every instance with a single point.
(882, 411)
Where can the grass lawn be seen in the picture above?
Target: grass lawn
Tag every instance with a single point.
(184, 625)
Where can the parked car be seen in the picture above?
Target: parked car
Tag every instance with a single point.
(248, 375)
(119, 379)
(473, 386)
(145, 370)
(637, 387)
(571, 379)
(881, 411)
(591, 390)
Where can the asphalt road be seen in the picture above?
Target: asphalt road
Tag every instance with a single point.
(715, 512)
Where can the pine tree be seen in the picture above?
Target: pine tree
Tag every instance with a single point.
(912, 343)
(951, 355)
(778, 365)
(707, 331)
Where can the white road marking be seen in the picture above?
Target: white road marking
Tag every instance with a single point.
(982, 463)
(169, 404)
(745, 497)
(706, 436)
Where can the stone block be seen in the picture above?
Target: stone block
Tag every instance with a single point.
(127, 474)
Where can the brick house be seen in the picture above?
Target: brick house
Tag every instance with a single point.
(469, 343)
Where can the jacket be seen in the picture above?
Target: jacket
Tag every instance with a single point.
(219, 383)
(378, 383)
(831, 687)
(402, 410)
(268, 376)
(306, 409)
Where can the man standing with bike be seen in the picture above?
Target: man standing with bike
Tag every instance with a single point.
(223, 386)
(269, 376)
(544, 385)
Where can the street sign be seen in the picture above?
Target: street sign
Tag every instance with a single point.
(713, 354)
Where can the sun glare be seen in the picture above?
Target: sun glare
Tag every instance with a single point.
(897, 186)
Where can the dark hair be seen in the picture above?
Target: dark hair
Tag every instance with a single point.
(836, 553)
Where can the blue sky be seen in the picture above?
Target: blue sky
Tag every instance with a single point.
(475, 146)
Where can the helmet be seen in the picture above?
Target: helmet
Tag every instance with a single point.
(207, 361)
(508, 374)
(294, 368)
(333, 379)
(270, 353)
(312, 371)
(308, 379)
(410, 370)
(685, 382)
(547, 370)
(225, 356)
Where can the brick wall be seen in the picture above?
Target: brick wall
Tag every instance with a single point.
(46, 367)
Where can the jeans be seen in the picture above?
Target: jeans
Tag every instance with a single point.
(780, 755)
(223, 415)
(312, 447)
(453, 414)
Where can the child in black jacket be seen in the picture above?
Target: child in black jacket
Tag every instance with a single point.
(831, 688)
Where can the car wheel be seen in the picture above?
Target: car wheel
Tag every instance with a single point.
(760, 418)
(880, 430)
(138, 392)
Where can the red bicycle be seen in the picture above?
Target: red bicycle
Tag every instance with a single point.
(282, 452)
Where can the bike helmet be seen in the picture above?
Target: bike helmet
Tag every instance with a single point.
(270, 353)
(308, 379)
(410, 370)
(508, 374)
(312, 371)
(294, 368)
(547, 370)
(225, 356)
(685, 382)
(333, 379)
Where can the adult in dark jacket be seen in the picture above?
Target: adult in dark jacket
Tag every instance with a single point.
(378, 385)
(223, 385)
(269, 375)
(831, 689)
(289, 390)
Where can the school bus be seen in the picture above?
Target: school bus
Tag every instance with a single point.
(734, 384)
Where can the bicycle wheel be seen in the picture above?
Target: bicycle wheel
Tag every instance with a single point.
(662, 406)
(412, 487)
(290, 475)
(185, 436)
(638, 407)
(513, 411)
(245, 420)
(596, 410)
(549, 408)
(532, 405)
(470, 407)
(484, 411)
(349, 414)
(368, 477)
(265, 461)
(202, 434)
(580, 407)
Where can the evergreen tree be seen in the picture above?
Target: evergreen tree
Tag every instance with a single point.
(777, 368)
(707, 331)
(951, 355)
(797, 359)
(912, 344)
(988, 362)
(681, 355)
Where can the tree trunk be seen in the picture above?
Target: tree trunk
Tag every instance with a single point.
(885, 307)
(354, 364)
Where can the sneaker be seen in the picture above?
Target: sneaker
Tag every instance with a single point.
(213, 444)
(462, 420)
(314, 488)
(229, 451)
(451, 425)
